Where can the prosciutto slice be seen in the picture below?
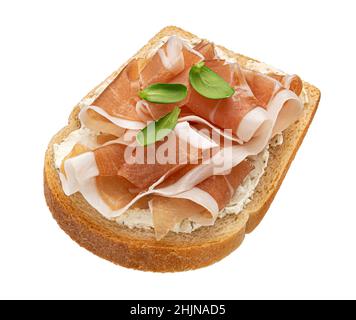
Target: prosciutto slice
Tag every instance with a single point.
(168, 212)
(207, 49)
(291, 82)
(148, 164)
(169, 60)
(119, 105)
(114, 110)
(171, 64)
(114, 190)
(120, 97)
(249, 95)
(110, 160)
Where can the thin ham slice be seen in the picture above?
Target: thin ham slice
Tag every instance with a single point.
(186, 147)
(291, 82)
(98, 120)
(171, 64)
(245, 111)
(222, 187)
(98, 123)
(110, 160)
(262, 86)
(168, 212)
(241, 113)
(120, 97)
(115, 108)
(119, 104)
(207, 49)
(76, 151)
(104, 138)
(284, 109)
(115, 191)
(226, 113)
(169, 60)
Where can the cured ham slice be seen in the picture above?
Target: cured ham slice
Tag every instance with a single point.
(77, 171)
(157, 111)
(207, 49)
(120, 97)
(171, 64)
(118, 192)
(168, 212)
(284, 109)
(115, 191)
(120, 105)
(291, 82)
(98, 123)
(167, 62)
(154, 111)
(222, 187)
(265, 88)
(227, 113)
(111, 161)
(262, 86)
(253, 91)
(143, 176)
(170, 60)
(245, 111)
(105, 138)
(201, 122)
(114, 109)
(77, 150)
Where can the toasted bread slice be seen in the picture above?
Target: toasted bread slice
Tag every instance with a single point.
(138, 248)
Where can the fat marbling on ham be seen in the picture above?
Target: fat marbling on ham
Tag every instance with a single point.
(201, 184)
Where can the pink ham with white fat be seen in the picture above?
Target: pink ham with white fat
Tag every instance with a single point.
(262, 105)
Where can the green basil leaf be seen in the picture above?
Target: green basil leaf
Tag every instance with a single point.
(164, 93)
(209, 84)
(157, 130)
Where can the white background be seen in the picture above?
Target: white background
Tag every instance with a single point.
(53, 52)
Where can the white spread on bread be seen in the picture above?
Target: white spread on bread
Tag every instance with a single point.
(255, 130)
(262, 67)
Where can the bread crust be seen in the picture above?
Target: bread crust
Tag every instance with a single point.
(137, 248)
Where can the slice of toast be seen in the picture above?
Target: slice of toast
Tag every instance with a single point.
(138, 248)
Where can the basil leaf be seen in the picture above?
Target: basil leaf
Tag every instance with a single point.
(164, 93)
(209, 84)
(157, 130)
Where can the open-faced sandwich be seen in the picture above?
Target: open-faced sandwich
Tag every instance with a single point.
(174, 157)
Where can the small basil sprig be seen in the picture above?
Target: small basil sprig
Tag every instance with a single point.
(209, 84)
(164, 93)
(157, 130)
